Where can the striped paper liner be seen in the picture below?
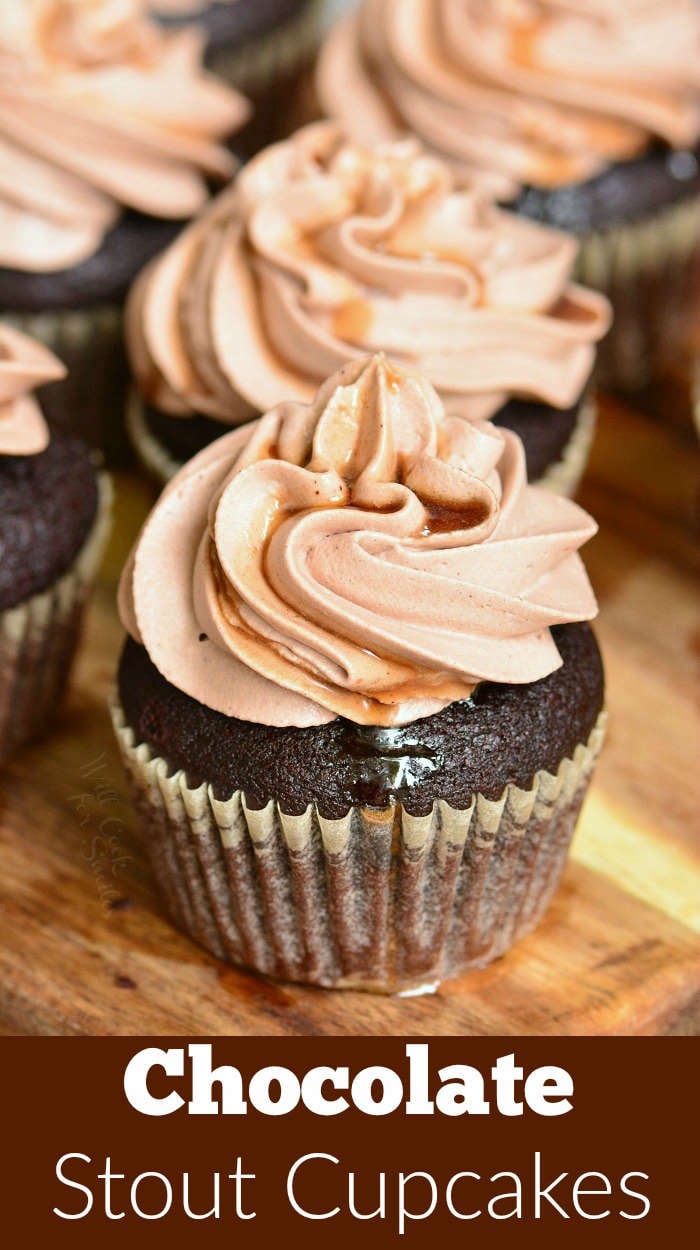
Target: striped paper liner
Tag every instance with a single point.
(39, 638)
(379, 900)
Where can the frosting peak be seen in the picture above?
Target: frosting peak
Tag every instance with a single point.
(366, 556)
(513, 92)
(101, 110)
(324, 250)
(24, 365)
(71, 34)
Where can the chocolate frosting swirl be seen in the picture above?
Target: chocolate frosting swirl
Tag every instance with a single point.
(322, 251)
(101, 110)
(366, 556)
(519, 92)
(24, 365)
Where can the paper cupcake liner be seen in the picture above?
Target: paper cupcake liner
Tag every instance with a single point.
(273, 70)
(152, 454)
(650, 271)
(262, 61)
(696, 395)
(379, 900)
(564, 477)
(39, 637)
(90, 401)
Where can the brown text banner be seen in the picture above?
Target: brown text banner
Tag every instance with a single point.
(135, 1141)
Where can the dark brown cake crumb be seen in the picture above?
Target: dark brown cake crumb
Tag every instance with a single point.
(104, 278)
(543, 431)
(47, 506)
(623, 192)
(502, 734)
(124, 983)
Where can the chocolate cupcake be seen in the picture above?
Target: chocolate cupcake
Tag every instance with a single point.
(584, 116)
(110, 138)
(54, 513)
(265, 48)
(358, 707)
(323, 250)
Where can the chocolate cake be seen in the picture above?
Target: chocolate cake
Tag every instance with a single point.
(359, 705)
(48, 504)
(103, 278)
(54, 510)
(659, 178)
(502, 736)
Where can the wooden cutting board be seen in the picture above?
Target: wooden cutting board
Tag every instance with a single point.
(86, 949)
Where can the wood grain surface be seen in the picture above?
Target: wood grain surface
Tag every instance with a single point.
(86, 949)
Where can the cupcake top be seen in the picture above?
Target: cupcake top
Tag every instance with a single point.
(366, 556)
(184, 8)
(24, 365)
(100, 111)
(322, 251)
(519, 92)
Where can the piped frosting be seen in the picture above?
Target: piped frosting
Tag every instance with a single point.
(518, 92)
(101, 110)
(366, 556)
(324, 250)
(25, 365)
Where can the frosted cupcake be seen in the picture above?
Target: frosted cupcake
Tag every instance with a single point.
(263, 47)
(358, 706)
(584, 115)
(110, 137)
(322, 251)
(53, 522)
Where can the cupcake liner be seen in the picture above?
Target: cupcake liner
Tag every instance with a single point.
(564, 477)
(695, 398)
(650, 271)
(152, 454)
(90, 401)
(261, 61)
(272, 70)
(38, 639)
(380, 900)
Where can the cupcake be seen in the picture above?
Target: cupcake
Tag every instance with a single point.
(110, 137)
(584, 116)
(322, 251)
(53, 522)
(359, 704)
(263, 47)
